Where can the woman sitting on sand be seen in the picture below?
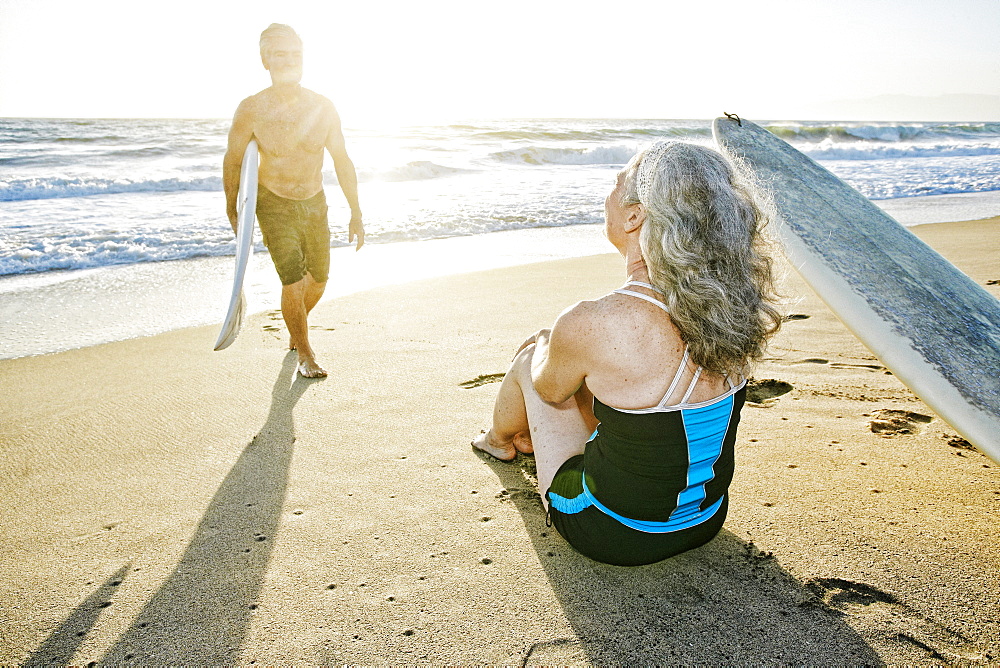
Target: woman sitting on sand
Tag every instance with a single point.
(631, 401)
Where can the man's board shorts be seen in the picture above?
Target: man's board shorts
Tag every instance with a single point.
(297, 234)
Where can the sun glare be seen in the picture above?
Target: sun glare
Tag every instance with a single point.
(412, 62)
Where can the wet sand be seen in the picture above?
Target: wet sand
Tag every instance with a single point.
(168, 504)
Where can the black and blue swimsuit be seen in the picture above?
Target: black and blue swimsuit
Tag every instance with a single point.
(652, 482)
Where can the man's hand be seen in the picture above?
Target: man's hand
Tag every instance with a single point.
(356, 229)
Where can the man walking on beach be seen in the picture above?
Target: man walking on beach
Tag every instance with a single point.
(292, 126)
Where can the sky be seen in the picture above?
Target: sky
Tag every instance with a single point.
(443, 60)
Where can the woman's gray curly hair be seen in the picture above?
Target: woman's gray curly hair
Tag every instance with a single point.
(704, 250)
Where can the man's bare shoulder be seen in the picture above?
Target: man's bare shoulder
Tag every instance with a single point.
(252, 105)
(309, 98)
(317, 97)
(323, 103)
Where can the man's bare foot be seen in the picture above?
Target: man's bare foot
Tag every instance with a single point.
(522, 443)
(309, 369)
(495, 448)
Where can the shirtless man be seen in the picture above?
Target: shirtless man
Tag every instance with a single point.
(292, 126)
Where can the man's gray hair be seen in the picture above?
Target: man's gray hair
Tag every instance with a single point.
(276, 31)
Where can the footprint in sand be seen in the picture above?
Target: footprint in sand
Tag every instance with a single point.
(558, 652)
(911, 626)
(959, 442)
(888, 422)
(483, 379)
(869, 367)
(795, 316)
(516, 494)
(765, 392)
(273, 315)
(842, 595)
(840, 365)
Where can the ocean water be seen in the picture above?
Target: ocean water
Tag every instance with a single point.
(93, 212)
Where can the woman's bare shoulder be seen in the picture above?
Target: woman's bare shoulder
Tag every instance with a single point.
(584, 312)
(591, 318)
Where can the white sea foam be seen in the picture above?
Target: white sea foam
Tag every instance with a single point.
(829, 149)
(919, 177)
(542, 155)
(13, 190)
(78, 195)
(418, 170)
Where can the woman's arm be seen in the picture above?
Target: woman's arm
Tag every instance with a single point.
(561, 359)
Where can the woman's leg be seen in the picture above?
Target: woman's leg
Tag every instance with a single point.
(557, 431)
(510, 419)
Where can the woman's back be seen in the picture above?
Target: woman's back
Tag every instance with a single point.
(636, 353)
(663, 451)
(670, 466)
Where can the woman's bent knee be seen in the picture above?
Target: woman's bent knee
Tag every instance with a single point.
(520, 366)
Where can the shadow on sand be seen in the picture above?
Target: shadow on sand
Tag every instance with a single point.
(204, 607)
(723, 603)
(61, 645)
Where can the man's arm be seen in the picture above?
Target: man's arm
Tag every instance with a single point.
(560, 361)
(240, 134)
(347, 177)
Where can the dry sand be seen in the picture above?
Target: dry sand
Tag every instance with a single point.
(164, 503)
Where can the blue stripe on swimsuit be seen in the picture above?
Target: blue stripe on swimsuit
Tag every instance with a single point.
(705, 428)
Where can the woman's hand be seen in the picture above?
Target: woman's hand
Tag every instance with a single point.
(532, 339)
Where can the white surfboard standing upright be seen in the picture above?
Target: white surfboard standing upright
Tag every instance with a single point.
(246, 209)
(930, 324)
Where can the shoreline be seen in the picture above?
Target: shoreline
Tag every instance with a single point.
(167, 504)
(83, 308)
(57, 311)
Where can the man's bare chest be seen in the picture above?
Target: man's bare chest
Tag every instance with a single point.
(291, 131)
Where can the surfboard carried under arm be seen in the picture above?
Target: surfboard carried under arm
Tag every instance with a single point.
(930, 324)
(246, 208)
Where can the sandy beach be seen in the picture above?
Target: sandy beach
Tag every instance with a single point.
(167, 504)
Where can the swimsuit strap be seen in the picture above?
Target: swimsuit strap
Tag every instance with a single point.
(632, 293)
(731, 384)
(687, 351)
(677, 379)
(694, 381)
(644, 285)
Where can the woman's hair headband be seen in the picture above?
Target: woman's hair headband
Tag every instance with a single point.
(648, 168)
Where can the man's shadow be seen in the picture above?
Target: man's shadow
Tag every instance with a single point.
(723, 603)
(202, 612)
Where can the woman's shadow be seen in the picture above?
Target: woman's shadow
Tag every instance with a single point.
(203, 610)
(723, 603)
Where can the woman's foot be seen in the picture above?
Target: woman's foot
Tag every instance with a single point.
(494, 447)
(522, 443)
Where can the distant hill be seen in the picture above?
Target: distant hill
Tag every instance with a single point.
(916, 108)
